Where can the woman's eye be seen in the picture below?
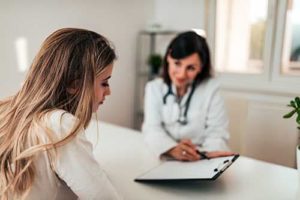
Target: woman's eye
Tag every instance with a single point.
(105, 84)
(191, 68)
(177, 63)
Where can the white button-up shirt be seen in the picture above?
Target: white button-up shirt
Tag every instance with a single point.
(207, 121)
(75, 173)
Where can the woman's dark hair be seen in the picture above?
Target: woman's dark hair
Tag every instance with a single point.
(183, 45)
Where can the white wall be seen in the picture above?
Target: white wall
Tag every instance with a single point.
(179, 14)
(116, 19)
(257, 127)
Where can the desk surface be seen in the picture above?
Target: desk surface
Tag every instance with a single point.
(123, 154)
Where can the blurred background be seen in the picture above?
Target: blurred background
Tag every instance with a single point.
(255, 46)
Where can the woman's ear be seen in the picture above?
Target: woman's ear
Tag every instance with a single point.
(73, 88)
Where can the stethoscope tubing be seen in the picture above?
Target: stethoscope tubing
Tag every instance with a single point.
(187, 104)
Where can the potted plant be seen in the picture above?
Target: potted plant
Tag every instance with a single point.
(155, 61)
(295, 105)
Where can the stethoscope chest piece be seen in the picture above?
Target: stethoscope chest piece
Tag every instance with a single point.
(182, 121)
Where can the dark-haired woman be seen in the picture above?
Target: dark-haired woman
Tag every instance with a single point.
(185, 117)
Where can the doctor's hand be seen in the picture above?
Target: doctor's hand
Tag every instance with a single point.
(184, 151)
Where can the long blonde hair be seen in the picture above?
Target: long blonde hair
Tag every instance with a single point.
(69, 57)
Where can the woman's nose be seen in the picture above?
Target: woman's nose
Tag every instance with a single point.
(181, 73)
(108, 92)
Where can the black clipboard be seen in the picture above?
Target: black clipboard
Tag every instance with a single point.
(187, 171)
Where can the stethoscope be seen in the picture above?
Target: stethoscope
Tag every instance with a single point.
(182, 119)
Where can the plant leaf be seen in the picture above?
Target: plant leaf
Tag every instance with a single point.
(293, 104)
(297, 100)
(298, 119)
(290, 114)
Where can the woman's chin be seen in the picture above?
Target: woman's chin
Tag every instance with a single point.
(180, 85)
(95, 109)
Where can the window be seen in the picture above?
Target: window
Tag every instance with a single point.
(240, 38)
(291, 46)
(256, 43)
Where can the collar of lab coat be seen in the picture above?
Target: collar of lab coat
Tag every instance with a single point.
(185, 96)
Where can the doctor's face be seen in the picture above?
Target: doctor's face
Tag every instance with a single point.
(183, 71)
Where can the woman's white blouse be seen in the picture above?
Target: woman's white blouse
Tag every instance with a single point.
(207, 119)
(76, 173)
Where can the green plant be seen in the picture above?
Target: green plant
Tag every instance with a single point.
(155, 61)
(295, 104)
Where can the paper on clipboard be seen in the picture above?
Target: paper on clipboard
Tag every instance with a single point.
(198, 170)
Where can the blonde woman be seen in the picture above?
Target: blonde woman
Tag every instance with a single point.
(43, 150)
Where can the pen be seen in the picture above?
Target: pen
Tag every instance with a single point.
(203, 154)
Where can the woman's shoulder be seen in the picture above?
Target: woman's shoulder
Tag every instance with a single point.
(59, 121)
(211, 83)
(157, 82)
(59, 116)
(208, 87)
(157, 85)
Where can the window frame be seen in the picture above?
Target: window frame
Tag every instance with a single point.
(271, 79)
(278, 48)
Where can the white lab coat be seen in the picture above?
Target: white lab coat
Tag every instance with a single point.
(207, 119)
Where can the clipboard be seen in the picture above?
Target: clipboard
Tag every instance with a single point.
(187, 171)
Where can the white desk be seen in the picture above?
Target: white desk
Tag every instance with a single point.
(123, 154)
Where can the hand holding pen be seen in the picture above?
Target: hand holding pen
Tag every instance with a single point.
(187, 151)
(203, 155)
